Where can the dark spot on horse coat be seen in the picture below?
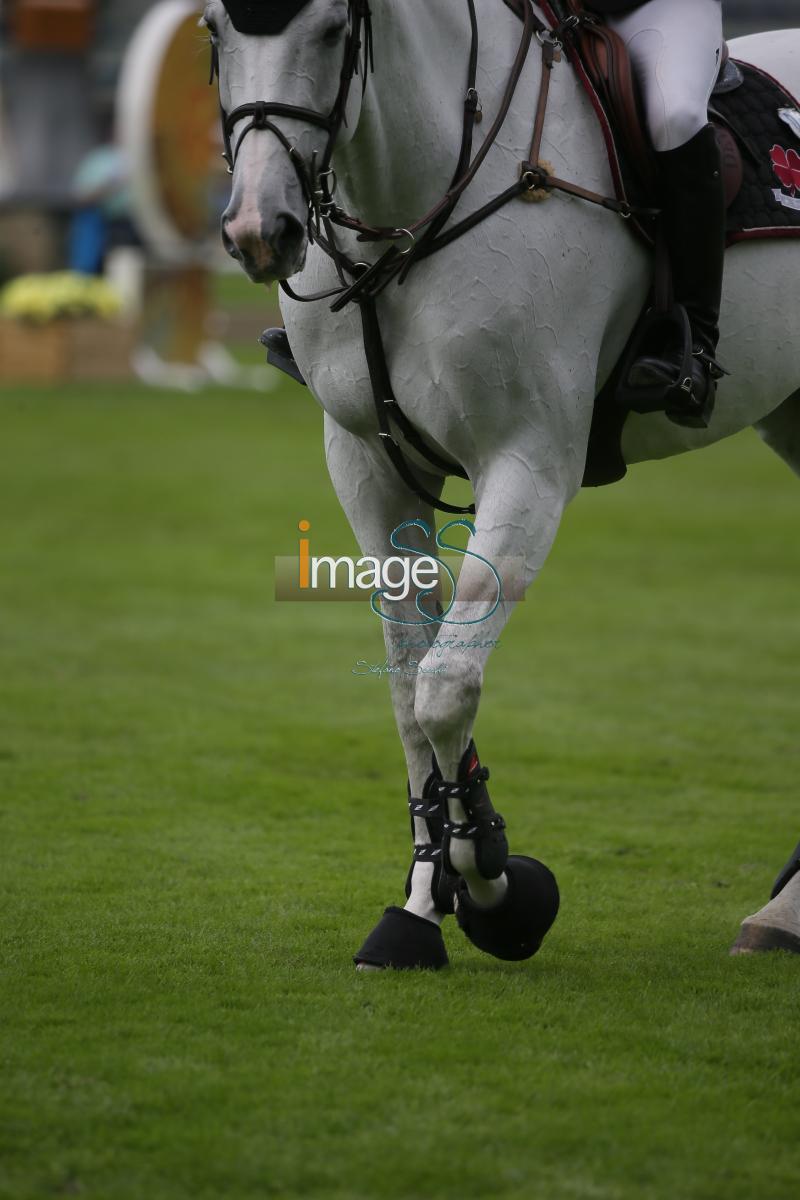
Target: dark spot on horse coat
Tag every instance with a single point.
(263, 16)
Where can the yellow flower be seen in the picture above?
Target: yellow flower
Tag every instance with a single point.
(59, 295)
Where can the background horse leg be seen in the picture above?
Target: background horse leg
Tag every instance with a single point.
(781, 431)
(776, 926)
(376, 501)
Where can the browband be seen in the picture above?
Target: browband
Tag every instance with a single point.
(263, 16)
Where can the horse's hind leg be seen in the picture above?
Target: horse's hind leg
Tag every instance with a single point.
(776, 926)
(781, 431)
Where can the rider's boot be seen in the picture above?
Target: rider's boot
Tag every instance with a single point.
(279, 352)
(694, 224)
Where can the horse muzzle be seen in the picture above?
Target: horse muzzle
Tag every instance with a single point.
(266, 252)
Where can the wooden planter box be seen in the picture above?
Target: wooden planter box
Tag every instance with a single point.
(65, 351)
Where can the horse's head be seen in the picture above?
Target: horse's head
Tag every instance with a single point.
(284, 77)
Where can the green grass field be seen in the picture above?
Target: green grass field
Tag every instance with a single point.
(202, 814)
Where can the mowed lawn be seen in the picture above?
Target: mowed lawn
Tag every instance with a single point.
(203, 813)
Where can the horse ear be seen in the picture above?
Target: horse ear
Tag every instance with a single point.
(263, 17)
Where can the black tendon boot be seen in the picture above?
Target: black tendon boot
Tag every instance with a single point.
(694, 225)
(430, 807)
(484, 827)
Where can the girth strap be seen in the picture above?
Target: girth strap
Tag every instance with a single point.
(386, 406)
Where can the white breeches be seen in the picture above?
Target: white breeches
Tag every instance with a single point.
(675, 47)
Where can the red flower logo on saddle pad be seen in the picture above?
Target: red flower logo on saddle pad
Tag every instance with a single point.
(786, 165)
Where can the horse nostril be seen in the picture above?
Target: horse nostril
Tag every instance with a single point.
(263, 248)
(227, 240)
(286, 237)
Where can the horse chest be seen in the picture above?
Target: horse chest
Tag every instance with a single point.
(330, 353)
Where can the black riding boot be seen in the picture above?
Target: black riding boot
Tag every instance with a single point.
(279, 352)
(694, 224)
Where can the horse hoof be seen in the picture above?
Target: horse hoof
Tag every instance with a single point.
(776, 926)
(404, 941)
(516, 927)
(363, 966)
(756, 939)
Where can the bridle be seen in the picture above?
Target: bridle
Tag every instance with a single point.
(361, 283)
(317, 179)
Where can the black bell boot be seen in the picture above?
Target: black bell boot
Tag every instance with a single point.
(694, 225)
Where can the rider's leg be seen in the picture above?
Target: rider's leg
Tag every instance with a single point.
(675, 47)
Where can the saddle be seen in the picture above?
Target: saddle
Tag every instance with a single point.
(600, 58)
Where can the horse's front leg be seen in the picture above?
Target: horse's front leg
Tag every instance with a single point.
(505, 903)
(376, 502)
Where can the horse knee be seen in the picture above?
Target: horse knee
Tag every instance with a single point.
(445, 705)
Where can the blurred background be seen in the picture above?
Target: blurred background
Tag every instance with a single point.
(110, 170)
(111, 187)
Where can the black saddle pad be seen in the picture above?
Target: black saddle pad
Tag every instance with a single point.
(765, 120)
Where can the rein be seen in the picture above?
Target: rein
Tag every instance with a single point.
(362, 283)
